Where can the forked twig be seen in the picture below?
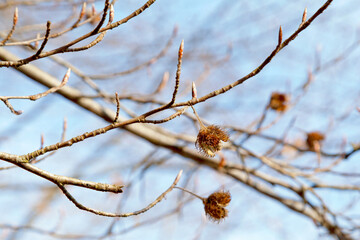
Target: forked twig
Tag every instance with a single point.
(35, 97)
(257, 70)
(66, 47)
(46, 38)
(107, 214)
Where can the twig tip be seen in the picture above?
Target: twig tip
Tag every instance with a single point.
(178, 176)
(280, 35)
(193, 90)
(304, 16)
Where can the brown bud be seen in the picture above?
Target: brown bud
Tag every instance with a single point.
(193, 90)
(181, 49)
(278, 101)
(16, 16)
(111, 13)
(280, 36)
(82, 11)
(304, 16)
(209, 140)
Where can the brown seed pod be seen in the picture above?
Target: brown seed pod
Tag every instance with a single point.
(278, 101)
(215, 205)
(314, 138)
(209, 140)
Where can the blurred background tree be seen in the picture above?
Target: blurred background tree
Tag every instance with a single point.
(290, 163)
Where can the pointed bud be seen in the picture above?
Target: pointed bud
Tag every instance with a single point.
(181, 49)
(163, 83)
(280, 36)
(209, 140)
(304, 16)
(66, 77)
(16, 14)
(42, 140)
(111, 14)
(36, 44)
(82, 12)
(193, 90)
(93, 9)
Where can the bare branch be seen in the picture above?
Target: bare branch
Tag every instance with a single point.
(35, 97)
(263, 64)
(142, 65)
(107, 214)
(66, 47)
(58, 179)
(7, 103)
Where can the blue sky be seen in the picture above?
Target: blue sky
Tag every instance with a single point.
(208, 29)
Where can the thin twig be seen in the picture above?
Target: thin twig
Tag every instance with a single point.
(105, 11)
(66, 47)
(142, 65)
(35, 97)
(7, 103)
(107, 214)
(262, 65)
(176, 114)
(43, 94)
(46, 38)
(117, 107)
(81, 15)
(15, 20)
(178, 73)
(58, 179)
(195, 195)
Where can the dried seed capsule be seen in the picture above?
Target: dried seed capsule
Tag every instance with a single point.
(278, 101)
(313, 138)
(209, 140)
(215, 205)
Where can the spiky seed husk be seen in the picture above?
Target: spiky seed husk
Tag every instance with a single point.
(215, 205)
(278, 101)
(215, 213)
(313, 137)
(222, 198)
(209, 140)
